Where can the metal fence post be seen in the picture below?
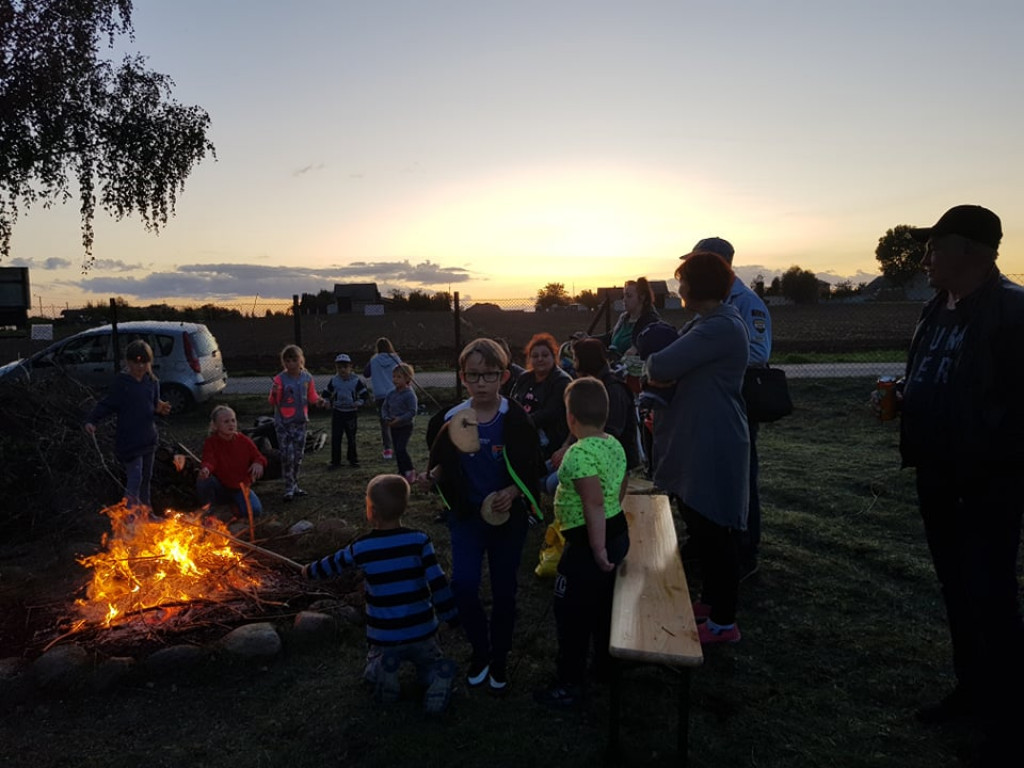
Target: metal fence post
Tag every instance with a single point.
(298, 320)
(458, 346)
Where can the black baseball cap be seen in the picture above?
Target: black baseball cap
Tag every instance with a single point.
(970, 221)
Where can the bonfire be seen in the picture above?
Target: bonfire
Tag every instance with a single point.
(157, 567)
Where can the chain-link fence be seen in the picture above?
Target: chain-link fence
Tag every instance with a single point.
(827, 339)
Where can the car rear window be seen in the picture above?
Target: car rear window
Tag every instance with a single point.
(204, 343)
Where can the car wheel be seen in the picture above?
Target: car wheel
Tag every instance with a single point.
(178, 397)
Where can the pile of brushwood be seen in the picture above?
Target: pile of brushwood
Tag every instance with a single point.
(54, 475)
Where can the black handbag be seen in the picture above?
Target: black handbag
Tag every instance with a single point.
(766, 393)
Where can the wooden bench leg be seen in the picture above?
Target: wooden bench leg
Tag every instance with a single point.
(614, 706)
(683, 728)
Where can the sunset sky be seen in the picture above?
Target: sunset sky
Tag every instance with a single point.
(491, 148)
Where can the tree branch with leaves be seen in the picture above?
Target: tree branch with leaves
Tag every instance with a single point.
(75, 124)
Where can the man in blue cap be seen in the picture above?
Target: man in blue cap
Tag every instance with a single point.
(962, 429)
(759, 326)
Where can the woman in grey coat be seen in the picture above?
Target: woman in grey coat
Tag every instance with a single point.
(701, 443)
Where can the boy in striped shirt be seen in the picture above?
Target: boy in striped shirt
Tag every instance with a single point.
(407, 596)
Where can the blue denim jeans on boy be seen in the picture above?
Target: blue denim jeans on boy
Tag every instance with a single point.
(472, 538)
(422, 654)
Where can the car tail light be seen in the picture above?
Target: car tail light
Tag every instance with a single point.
(190, 354)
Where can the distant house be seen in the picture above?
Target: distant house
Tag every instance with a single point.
(658, 287)
(354, 297)
(883, 288)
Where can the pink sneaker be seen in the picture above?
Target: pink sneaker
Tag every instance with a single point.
(701, 611)
(388, 454)
(709, 636)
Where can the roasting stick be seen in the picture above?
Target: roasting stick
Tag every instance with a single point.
(242, 542)
(248, 508)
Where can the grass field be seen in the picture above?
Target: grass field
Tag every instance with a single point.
(843, 637)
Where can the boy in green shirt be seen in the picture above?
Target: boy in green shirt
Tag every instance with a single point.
(588, 504)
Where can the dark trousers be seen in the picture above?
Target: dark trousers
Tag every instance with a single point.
(750, 539)
(583, 608)
(718, 551)
(385, 430)
(472, 539)
(344, 423)
(973, 531)
(401, 436)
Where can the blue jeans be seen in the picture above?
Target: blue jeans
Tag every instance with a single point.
(385, 430)
(212, 491)
(401, 436)
(472, 538)
(422, 654)
(138, 475)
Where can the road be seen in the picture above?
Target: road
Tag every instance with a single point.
(252, 385)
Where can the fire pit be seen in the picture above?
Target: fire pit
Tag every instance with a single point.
(155, 568)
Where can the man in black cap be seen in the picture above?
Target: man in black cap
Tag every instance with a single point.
(963, 430)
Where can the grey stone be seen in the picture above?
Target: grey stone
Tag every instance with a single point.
(303, 526)
(342, 612)
(62, 668)
(315, 624)
(253, 641)
(16, 682)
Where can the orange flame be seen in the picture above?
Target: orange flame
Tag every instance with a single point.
(168, 562)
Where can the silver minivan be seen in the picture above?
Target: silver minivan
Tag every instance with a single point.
(186, 359)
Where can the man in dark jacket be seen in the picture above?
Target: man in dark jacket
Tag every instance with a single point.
(963, 430)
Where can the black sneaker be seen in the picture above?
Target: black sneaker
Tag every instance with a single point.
(332, 466)
(354, 464)
(477, 673)
(299, 492)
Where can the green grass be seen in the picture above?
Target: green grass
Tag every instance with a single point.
(843, 637)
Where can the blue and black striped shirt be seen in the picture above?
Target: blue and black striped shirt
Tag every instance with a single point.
(407, 593)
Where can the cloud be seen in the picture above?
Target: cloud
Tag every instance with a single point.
(230, 281)
(115, 265)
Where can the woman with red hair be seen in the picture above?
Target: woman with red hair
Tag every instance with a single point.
(541, 392)
(701, 442)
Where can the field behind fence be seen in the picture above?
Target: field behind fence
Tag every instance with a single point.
(831, 338)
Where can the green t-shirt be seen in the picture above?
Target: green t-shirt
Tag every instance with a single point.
(623, 338)
(592, 456)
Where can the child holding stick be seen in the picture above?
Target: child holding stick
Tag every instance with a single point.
(231, 464)
(407, 595)
(135, 397)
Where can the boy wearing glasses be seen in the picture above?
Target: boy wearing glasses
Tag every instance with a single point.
(501, 478)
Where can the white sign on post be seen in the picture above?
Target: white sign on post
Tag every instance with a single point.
(42, 332)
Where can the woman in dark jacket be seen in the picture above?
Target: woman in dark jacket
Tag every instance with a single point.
(541, 392)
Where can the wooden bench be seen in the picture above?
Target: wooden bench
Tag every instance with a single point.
(652, 617)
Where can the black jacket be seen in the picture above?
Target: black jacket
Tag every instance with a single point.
(986, 421)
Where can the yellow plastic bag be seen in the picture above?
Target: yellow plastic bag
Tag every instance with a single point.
(551, 552)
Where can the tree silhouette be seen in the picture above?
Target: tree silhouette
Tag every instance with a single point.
(72, 123)
(899, 255)
(552, 294)
(799, 285)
